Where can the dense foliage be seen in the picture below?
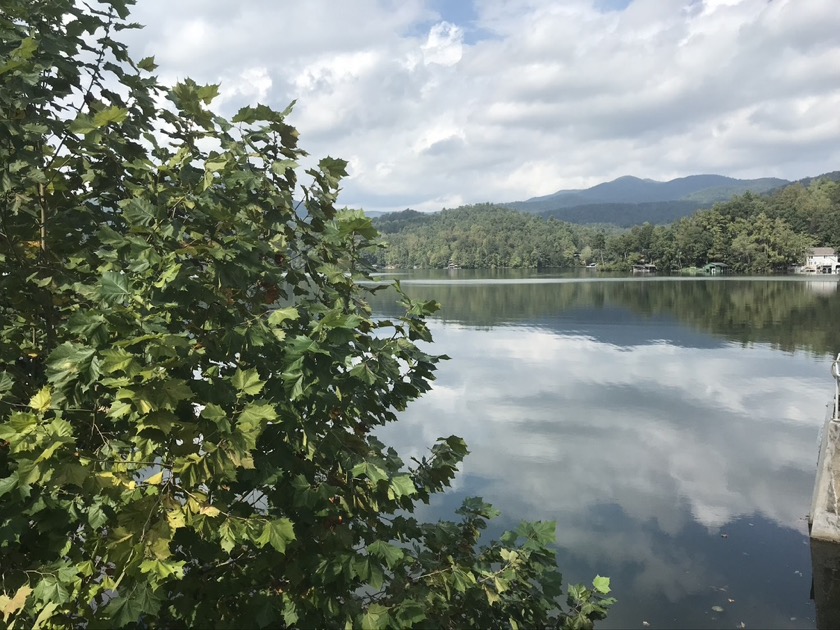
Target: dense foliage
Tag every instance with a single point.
(480, 236)
(751, 234)
(626, 214)
(191, 378)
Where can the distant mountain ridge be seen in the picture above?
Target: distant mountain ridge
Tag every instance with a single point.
(701, 189)
(629, 200)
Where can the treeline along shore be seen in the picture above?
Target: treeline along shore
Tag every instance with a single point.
(751, 234)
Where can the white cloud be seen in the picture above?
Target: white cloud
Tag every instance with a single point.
(444, 44)
(682, 437)
(531, 96)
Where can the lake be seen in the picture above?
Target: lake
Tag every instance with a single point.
(669, 425)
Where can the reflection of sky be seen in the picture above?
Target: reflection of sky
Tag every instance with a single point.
(645, 455)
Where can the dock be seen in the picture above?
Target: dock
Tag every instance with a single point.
(824, 517)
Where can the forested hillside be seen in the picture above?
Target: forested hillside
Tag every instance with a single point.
(751, 233)
(479, 236)
(626, 214)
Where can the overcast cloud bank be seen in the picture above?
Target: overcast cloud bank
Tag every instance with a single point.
(440, 103)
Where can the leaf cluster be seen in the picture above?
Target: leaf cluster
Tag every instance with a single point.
(191, 377)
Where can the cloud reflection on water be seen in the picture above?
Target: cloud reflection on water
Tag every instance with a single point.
(661, 438)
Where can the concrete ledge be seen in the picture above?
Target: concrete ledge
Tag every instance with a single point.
(824, 522)
(824, 517)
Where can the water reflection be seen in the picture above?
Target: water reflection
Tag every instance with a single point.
(679, 463)
(788, 313)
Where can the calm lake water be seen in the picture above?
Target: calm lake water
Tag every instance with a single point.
(669, 426)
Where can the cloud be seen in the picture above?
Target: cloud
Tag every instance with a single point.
(443, 46)
(643, 454)
(684, 421)
(525, 96)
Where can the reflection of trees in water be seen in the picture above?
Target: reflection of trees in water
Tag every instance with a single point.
(788, 315)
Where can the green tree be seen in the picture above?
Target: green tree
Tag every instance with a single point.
(192, 378)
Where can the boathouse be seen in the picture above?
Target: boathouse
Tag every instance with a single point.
(715, 268)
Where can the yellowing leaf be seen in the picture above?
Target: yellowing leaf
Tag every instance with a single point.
(41, 401)
(155, 480)
(44, 616)
(209, 510)
(175, 518)
(16, 603)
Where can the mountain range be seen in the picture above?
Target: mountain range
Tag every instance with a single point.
(704, 189)
(629, 200)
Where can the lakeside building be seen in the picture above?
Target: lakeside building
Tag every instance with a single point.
(821, 260)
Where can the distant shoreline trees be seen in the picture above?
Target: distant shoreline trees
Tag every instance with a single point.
(751, 234)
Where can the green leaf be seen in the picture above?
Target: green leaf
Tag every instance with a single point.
(6, 384)
(256, 414)
(278, 316)
(7, 484)
(277, 533)
(113, 287)
(376, 617)
(109, 115)
(409, 613)
(601, 584)
(228, 537)
(370, 470)
(148, 64)
(67, 361)
(290, 614)
(539, 533)
(280, 168)
(139, 601)
(20, 55)
(215, 414)
(401, 486)
(97, 516)
(386, 551)
(361, 567)
(50, 589)
(140, 212)
(82, 125)
(116, 360)
(247, 382)
(163, 569)
(207, 93)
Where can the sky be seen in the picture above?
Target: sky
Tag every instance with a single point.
(440, 103)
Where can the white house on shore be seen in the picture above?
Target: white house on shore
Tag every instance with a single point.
(821, 260)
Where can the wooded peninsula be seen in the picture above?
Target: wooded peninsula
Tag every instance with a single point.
(751, 234)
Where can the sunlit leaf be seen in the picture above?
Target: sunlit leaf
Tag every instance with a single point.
(41, 401)
(278, 533)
